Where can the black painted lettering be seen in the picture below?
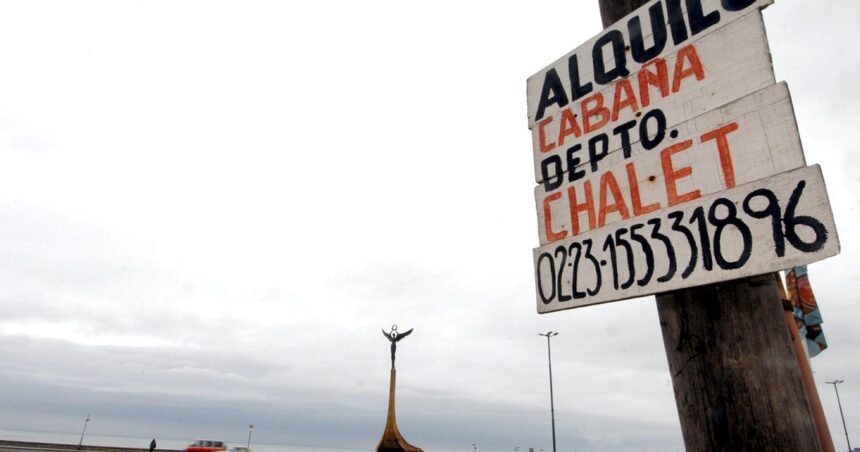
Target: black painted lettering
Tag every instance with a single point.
(545, 257)
(562, 251)
(598, 278)
(621, 242)
(551, 93)
(670, 250)
(736, 5)
(658, 34)
(577, 91)
(772, 210)
(595, 155)
(646, 249)
(576, 293)
(551, 171)
(676, 217)
(730, 219)
(699, 21)
(615, 39)
(676, 21)
(792, 221)
(698, 218)
(573, 174)
(624, 131)
(648, 141)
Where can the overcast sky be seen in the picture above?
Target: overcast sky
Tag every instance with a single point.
(208, 211)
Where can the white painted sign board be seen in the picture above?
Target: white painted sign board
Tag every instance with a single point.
(743, 141)
(710, 70)
(760, 227)
(676, 27)
(667, 158)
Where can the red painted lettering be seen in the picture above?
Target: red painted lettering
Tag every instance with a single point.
(551, 235)
(635, 199)
(576, 208)
(568, 126)
(544, 146)
(660, 79)
(723, 150)
(687, 53)
(671, 175)
(596, 110)
(629, 101)
(608, 185)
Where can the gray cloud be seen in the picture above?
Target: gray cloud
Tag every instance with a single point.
(108, 384)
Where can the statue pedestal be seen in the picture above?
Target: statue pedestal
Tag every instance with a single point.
(392, 440)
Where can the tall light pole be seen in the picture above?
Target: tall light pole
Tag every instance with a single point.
(548, 335)
(81, 442)
(250, 430)
(834, 383)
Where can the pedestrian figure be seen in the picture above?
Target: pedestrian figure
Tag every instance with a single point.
(152, 445)
(394, 336)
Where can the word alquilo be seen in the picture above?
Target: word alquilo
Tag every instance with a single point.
(615, 44)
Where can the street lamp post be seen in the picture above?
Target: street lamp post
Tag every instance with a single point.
(834, 383)
(81, 442)
(548, 335)
(250, 430)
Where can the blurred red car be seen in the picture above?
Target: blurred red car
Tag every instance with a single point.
(206, 446)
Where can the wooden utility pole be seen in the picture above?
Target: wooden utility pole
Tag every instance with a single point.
(737, 383)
